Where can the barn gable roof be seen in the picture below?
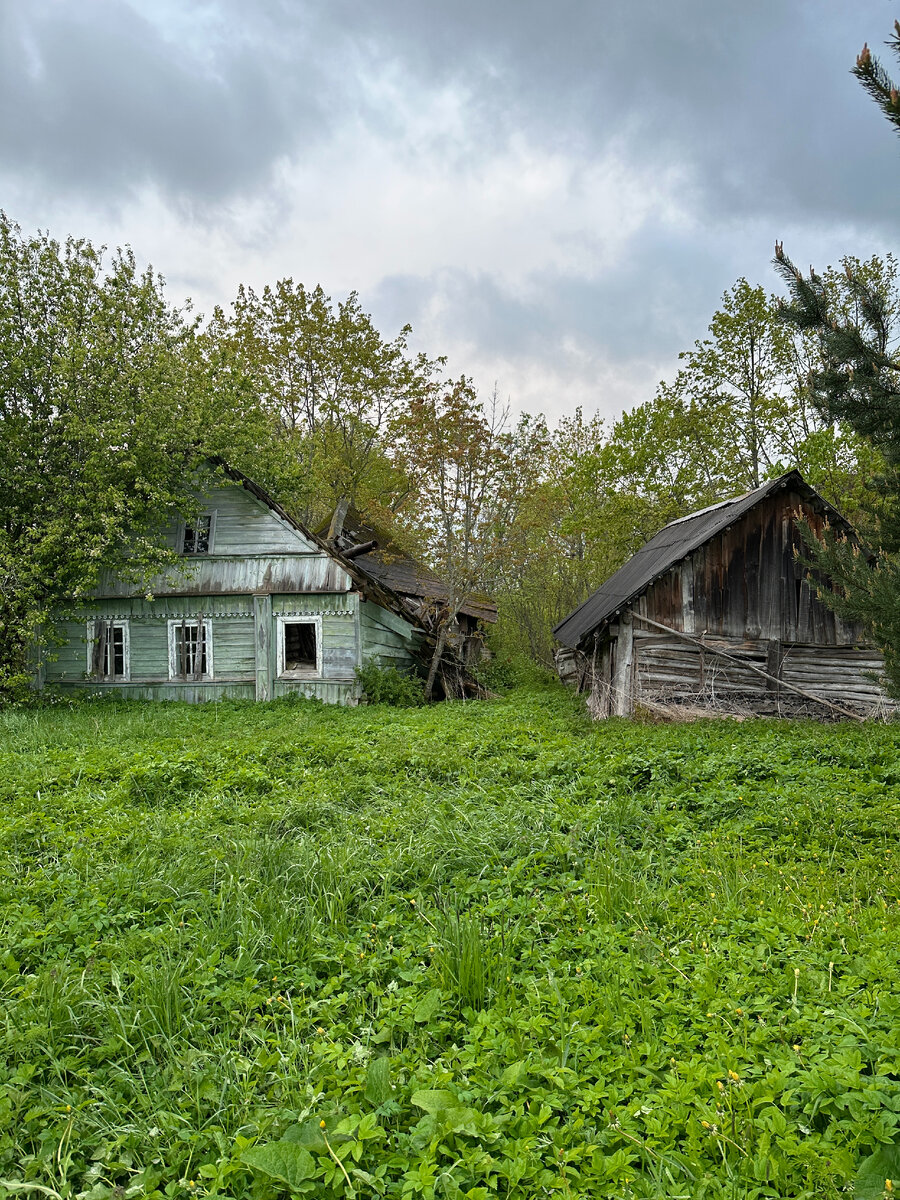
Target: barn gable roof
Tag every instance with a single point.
(672, 544)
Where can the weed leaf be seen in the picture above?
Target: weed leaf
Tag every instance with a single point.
(435, 1101)
(874, 1170)
(514, 1074)
(285, 1161)
(428, 1006)
(378, 1081)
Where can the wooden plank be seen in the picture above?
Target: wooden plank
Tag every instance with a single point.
(374, 614)
(750, 667)
(687, 595)
(621, 683)
(264, 647)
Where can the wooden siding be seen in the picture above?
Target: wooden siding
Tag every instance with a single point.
(387, 639)
(243, 655)
(253, 574)
(244, 525)
(748, 583)
(670, 671)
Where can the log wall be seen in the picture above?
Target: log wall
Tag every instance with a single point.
(745, 592)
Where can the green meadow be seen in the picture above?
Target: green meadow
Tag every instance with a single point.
(471, 950)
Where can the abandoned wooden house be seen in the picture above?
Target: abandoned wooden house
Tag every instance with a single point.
(717, 613)
(258, 607)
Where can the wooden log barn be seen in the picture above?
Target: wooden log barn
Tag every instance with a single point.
(718, 614)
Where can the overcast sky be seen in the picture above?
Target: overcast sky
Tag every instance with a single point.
(554, 194)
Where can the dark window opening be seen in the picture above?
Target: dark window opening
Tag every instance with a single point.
(196, 536)
(191, 658)
(299, 646)
(109, 650)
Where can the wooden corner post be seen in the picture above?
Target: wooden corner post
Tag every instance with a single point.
(262, 625)
(622, 699)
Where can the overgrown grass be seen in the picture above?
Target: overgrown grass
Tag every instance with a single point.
(495, 949)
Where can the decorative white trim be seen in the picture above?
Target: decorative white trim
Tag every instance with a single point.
(208, 512)
(118, 623)
(282, 619)
(305, 614)
(174, 622)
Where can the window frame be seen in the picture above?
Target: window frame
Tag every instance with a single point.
(92, 634)
(174, 623)
(186, 525)
(283, 619)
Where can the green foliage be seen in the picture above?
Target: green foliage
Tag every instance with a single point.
(387, 685)
(876, 1171)
(854, 322)
(495, 949)
(333, 387)
(107, 414)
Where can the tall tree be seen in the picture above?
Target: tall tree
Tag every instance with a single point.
(857, 381)
(333, 385)
(460, 459)
(106, 414)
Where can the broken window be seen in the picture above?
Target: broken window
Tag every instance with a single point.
(108, 649)
(197, 536)
(299, 649)
(190, 649)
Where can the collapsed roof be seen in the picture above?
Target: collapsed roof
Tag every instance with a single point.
(375, 552)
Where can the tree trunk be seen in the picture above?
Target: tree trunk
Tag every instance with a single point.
(436, 658)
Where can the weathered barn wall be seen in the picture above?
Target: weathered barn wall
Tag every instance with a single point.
(745, 592)
(748, 583)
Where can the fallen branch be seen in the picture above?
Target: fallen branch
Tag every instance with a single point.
(686, 637)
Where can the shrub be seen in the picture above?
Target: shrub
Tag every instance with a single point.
(387, 685)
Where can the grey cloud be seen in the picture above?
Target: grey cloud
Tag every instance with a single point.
(756, 101)
(655, 302)
(94, 97)
(753, 101)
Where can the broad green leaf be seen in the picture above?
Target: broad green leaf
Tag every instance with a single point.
(873, 1171)
(378, 1081)
(514, 1074)
(435, 1101)
(287, 1162)
(428, 1005)
(308, 1135)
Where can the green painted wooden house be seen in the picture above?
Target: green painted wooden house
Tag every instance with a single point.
(261, 608)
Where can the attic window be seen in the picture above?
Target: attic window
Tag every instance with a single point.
(299, 646)
(197, 536)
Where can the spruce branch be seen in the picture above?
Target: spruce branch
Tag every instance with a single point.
(877, 81)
